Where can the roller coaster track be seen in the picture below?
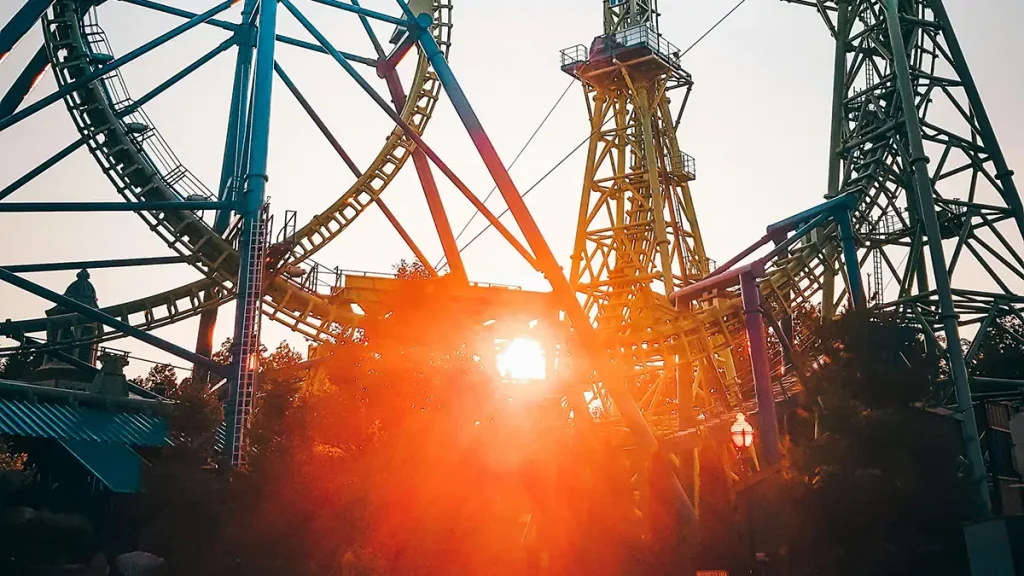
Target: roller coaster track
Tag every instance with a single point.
(142, 167)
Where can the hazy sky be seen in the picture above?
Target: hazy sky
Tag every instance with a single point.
(757, 123)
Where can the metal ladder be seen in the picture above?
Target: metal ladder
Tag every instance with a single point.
(879, 286)
(249, 346)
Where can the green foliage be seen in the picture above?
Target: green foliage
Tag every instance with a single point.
(414, 270)
(1001, 352)
(11, 461)
(189, 491)
(32, 541)
(881, 490)
(162, 378)
(16, 367)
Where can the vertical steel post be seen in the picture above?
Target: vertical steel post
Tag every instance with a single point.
(245, 38)
(231, 168)
(926, 202)
(838, 98)
(848, 240)
(836, 142)
(247, 307)
(766, 416)
(657, 192)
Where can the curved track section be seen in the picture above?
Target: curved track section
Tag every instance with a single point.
(142, 167)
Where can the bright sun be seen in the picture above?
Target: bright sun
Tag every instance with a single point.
(522, 359)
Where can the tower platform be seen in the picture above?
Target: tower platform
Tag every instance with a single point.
(644, 51)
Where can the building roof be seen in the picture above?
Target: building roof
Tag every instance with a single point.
(19, 417)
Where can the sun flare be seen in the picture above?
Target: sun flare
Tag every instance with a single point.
(522, 359)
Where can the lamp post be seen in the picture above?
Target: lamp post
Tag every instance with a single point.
(742, 435)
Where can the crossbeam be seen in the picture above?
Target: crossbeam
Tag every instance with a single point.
(111, 322)
(183, 206)
(95, 264)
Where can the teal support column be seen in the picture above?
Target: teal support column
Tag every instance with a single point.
(924, 196)
(848, 241)
(248, 302)
(231, 168)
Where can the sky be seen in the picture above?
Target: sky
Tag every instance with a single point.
(757, 124)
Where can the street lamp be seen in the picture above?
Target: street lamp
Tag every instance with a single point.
(742, 432)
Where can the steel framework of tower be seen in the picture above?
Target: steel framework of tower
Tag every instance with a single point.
(937, 203)
(637, 236)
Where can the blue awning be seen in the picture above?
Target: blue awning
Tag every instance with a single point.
(61, 421)
(114, 464)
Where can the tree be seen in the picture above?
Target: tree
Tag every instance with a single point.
(414, 270)
(188, 490)
(16, 366)
(881, 489)
(1001, 353)
(161, 378)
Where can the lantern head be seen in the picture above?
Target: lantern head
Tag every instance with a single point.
(742, 432)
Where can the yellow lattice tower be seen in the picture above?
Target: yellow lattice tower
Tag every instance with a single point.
(637, 236)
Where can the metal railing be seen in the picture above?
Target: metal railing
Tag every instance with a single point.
(643, 35)
(154, 148)
(577, 54)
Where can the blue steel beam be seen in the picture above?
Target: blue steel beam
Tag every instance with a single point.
(248, 301)
(356, 9)
(20, 24)
(189, 206)
(230, 163)
(846, 202)
(232, 27)
(101, 71)
(46, 165)
(412, 135)
(163, 86)
(109, 321)
(95, 264)
(340, 150)
(849, 244)
(369, 32)
(25, 82)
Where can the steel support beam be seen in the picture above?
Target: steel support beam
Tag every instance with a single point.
(232, 27)
(923, 195)
(22, 21)
(107, 320)
(311, 112)
(157, 206)
(95, 264)
(231, 167)
(766, 414)
(249, 299)
(24, 83)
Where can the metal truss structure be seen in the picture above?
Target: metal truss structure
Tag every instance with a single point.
(925, 196)
(938, 212)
